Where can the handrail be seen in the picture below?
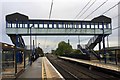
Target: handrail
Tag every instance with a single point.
(92, 40)
(80, 48)
(95, 53)
(81, 51)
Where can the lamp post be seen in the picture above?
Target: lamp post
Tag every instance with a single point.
(31, 54)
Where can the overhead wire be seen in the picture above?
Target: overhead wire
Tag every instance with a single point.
(110, 8)
(105, 11)
(102, 14)
(116, 28)
(51, 9)
(96, 9)
(87, 8)
(82, 9)
(49, 18)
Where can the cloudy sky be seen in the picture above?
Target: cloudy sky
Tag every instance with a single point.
(62, 9)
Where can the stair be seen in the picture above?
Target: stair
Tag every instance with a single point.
(83, 51)
(93, 42)
(20, 42)
(94, 55)
(89, 52)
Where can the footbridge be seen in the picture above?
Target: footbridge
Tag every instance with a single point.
(18, 25)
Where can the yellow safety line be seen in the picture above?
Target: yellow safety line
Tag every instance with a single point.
(44, 76)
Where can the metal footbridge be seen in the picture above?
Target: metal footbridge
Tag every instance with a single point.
(22, 25)
(18, 25)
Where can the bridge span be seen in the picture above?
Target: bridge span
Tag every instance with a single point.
(20, 24)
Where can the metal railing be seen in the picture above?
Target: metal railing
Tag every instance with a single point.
(92, 40)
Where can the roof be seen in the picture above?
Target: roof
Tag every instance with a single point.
(102, 18)
(6, 46)
(113, 48)
(21, 17)
(16, 17)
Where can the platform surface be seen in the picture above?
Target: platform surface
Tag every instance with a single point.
(94, 63)
(41, 69)
(49, 71)
(33, 71)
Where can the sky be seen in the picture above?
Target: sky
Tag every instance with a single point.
(62, 9)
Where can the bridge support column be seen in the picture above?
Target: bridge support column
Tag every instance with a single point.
(99, 50)
(30, 59)
(104, 49)
(116, 57)
(104, 44)
(24, 58)
(16, 50)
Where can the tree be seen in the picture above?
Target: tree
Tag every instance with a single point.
(76, 51)
(63, 48)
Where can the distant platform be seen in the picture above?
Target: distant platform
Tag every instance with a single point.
(93, 63)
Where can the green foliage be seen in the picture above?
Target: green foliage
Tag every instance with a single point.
(75, 51)
(63, 48)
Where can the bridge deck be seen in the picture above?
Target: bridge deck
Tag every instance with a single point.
(41, 27)
(21, 24)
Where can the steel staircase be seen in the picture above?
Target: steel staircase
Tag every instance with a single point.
(19, 43)
(93, 42)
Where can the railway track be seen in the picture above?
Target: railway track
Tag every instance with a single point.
(74, 71)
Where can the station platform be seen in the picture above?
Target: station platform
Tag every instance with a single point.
(49, 71)
(94, 63)
(33, 71)
(41, 69)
